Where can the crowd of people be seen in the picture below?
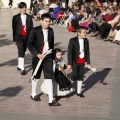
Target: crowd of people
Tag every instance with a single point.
(100, 17)
(100, 20)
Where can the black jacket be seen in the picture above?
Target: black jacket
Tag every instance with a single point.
(74, 48)
(36, 40)
(17, 24)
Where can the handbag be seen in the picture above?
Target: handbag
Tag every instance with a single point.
(71, 29)
(85, 24)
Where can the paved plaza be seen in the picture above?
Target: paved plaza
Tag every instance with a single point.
(101, 90)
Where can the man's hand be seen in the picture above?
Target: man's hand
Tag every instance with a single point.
(69, 67)
(41, 56)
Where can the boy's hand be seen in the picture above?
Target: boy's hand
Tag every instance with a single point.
(41, 56)
(88, 66)
(69, 67)
(53, 61)
(14, 43)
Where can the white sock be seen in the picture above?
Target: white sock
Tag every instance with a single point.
(48, 83)
(21, 63)
(34, 87)
(79, 86)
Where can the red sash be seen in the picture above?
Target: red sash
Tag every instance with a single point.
(80, 60)
(23, 30)
(42, 47)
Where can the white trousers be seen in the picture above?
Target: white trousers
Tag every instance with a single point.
(34, 87)
(79, 86)
(49, 84)
(21, 63)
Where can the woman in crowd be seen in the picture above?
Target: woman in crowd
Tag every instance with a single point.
(96, 22)
(106, 27)
(87, 21)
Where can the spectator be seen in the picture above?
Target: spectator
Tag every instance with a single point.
(70, 16)
(114, 12)
(96, 22)
(55, 12)
(106, 27)
(86, 22)
(114, 22)
(76, 12)
(108, 16)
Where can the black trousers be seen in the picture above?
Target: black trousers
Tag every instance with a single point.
(94, 27)
(78, 71)
(104, 30)
(46, 66)
(22, 45)
(75, 24)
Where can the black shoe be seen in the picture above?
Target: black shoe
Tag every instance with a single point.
(18, 68)
(54, 103)
(23, 72)
(57, 98)
(80, 95)
(36, 98)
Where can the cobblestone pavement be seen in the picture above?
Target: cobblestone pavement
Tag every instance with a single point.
(15, 89)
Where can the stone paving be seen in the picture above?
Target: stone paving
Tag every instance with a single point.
(15, 89)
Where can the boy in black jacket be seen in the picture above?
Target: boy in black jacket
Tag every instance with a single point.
(41, 39)
(21, 24)
(78, 54)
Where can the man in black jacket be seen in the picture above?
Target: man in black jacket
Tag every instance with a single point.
(78, 54)
(21, 24)
(41, 39)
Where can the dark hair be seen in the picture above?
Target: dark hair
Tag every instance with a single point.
(98, 11)
(88, 10)
(113, 9)
(81, 28)
(56, 50)
(77, 4)
(118, 8)
(82, 5)
(70, 10)
(22, 5)
(46, 15)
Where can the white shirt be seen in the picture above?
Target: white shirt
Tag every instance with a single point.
(53, 5)
(23, 18)
(46, 46)
(81, 44)
(70, 16)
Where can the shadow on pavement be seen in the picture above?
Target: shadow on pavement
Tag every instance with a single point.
(57, 44)
(13, 62)
(3, 35)
(95, 78)
(5, 42)
(10, 92)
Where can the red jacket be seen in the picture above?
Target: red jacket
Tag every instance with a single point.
(107, 18)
